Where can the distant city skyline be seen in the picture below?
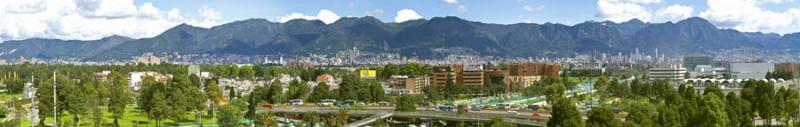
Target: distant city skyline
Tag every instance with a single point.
(94, 19)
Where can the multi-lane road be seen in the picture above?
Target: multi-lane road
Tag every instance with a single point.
(522, 118)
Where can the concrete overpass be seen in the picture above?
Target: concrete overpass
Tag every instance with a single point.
(388, 112)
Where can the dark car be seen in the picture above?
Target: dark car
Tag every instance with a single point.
(533, 107)
(475, 108)
(447, 108)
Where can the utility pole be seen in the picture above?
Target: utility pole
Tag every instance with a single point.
(33, 99)
(55, 102)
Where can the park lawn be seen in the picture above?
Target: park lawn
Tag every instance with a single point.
(5, 97)
(574, 79)
(132, 115)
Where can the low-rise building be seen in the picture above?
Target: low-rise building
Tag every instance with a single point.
(441, 74)
(673, 72)
(523, 75)
(469, 75)
(327, 78)
(102, 75)
(149, 59)
(750, 70)
(408, 84)
(136, 78)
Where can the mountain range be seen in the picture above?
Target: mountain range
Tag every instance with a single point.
(436, 37)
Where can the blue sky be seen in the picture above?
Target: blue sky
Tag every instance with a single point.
(490, 11)
(94, 19)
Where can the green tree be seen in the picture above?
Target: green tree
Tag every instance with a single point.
(77, 98)
(247, 72)
(266, 119)
(738, 111)
(321, 91)
(121, 97)
(95, 100)
(254, 99)
(159, 108)
(214, 94)
(714, 112)
(432, 92)
(713, 89)
(452, 90)
(790, 99)
(297, 90)
(406, 103)
(350, 88)
(229, 116)
(311, 119)
(275, 93)
(178, 96)
(564, 114)
(44, 98)
(669, 116)
(555, 91)
(641, 115)
(376, 92)
(498, 122)
(601, 84)
(602, 117)
(153, 100)
(766, 102)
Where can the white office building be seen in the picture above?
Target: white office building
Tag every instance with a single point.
(676, 72)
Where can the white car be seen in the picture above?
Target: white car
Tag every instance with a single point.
(296, 102)
(327, 102)
(511, 111)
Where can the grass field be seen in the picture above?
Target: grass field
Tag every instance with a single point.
(132, 116)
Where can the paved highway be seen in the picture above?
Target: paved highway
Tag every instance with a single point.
(517, 118)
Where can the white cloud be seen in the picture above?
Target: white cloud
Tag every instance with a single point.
(324, 15)
(777, 1)
(405, 15)
(749, 15)
(459, 7)
(530, 8)
(376, 12)
(643, 1)
(106, 8)
(462, 8)
(90, 19)
(624, 10)
(450, 1)
(674, 13)
(210, 17)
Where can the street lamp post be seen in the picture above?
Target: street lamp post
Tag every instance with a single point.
(55, 102)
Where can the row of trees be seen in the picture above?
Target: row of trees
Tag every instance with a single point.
(404, 69)
(175, 98)
(657, 103)
(84, 96)
(268, 71)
